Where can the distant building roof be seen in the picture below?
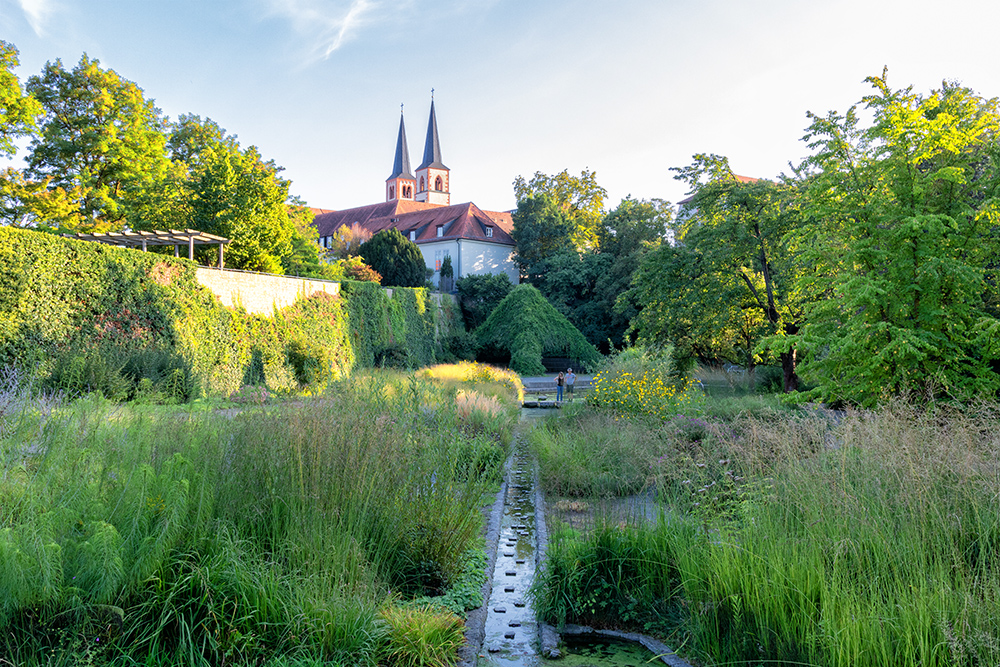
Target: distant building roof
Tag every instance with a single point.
(458, 221)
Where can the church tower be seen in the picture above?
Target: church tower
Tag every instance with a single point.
(402, 183)
(432, 176)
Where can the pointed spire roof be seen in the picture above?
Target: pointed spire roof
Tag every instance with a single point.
(401, 165)
(432, 146)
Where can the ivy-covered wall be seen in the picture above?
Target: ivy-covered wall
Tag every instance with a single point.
(83, 315)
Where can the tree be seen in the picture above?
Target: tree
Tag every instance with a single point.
(101, 140)
(541, 229)
(478, 295)
(397, 259)
(234, 192)
(731, 283)
(579, 197)
(904, 232)
(527, 327)
(238, 195)
(347, 239)
(18, 112)
(304, 259)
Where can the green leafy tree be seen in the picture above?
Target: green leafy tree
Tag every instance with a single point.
(238, 195)
(541, 229)
(579, 197)
(478, 295)
(903, 240)
(101, 140)
(731, 282)
(527, 327)
(304, 259)
(234, 192)
(397, 259)
(18, 112)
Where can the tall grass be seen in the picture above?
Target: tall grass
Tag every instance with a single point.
(178, 538)
(874, 541)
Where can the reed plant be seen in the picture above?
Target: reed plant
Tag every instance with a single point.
(868, 541)
(131, 534)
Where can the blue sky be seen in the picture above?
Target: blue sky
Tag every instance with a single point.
(627, 88)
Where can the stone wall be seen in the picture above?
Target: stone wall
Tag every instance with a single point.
(260, 293)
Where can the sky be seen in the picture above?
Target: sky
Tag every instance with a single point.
(625, 88)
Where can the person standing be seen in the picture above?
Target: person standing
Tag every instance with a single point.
(570, 381)
(560, 381)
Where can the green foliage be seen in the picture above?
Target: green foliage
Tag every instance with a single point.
(527, 327)
(191, 538)
(423, 637)
(18, 112)
(236, 194)
(478, 295)
(397, 259)
(398, 331)
(92, 317)
(541, 228)
(446, 269)
(580, 198)
(904, 228)
(732, 259)
(100, 140)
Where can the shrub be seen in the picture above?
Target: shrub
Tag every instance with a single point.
(423, 637)
(527, 327)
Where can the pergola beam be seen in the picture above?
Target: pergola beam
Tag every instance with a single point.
(141, 240)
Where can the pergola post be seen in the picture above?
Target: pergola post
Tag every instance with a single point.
(221, 246)
(144, 245)
(177, 250)
(191, 248)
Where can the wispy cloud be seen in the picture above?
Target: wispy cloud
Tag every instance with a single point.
(328, 24)
(36, 11)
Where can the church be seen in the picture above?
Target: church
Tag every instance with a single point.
(419, 205)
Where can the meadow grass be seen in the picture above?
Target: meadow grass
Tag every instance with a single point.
(282, 532)
(796, 539)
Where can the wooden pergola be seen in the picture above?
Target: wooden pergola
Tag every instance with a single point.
(142, 240)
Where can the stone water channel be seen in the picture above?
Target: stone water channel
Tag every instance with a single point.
(512, 636)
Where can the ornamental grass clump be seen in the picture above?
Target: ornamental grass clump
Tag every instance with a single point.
(275, 531)
(864, 540)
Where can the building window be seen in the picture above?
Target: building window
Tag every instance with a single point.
(438, 184)
(413, 235)
(421, 184)
(392, 192)
(437, 260)
(440, 231)
(489, 232)
(407, 192)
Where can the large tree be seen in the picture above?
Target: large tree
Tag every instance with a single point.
(903, 239)
(730, 283)
(396, 258)
(541, 229)
(18, 112)
(579, 197)
(101, 140)
(234, 192)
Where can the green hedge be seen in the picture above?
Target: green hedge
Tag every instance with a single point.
(86, 316)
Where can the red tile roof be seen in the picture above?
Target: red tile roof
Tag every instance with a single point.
(459, 221)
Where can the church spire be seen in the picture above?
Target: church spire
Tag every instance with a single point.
(433, 178)
(401, 165)
(432, 146)
(401, 184)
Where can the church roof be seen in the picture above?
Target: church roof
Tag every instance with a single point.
(432, 145)
(401, 165)
(459, 221)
